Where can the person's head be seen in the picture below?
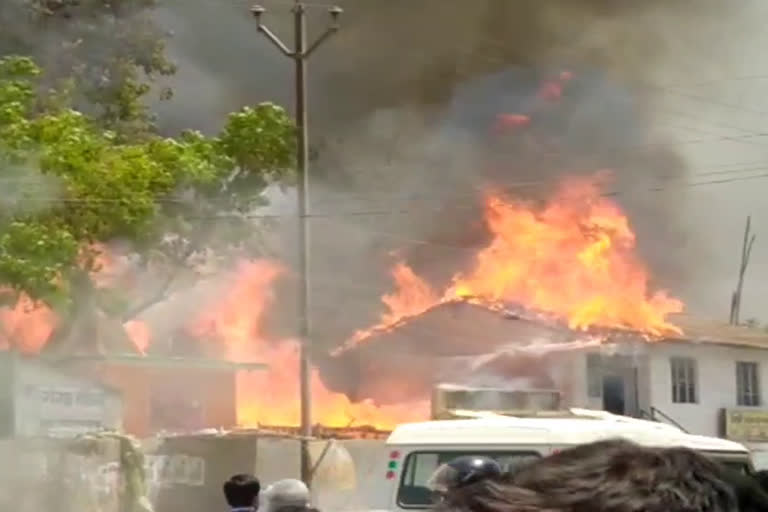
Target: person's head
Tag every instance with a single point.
(242, 491)
(762, 479)
(606, 476)
(285, 495)
(749, 493)
(463, 471)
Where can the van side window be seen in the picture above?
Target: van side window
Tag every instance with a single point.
(419, 467)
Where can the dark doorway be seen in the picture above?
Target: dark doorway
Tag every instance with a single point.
(613, 394)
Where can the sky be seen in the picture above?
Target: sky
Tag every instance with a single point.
(708, 76)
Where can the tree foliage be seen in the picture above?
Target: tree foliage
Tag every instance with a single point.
(71, 184)
(109, 50)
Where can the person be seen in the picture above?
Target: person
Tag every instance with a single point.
(288, 495)
(749, 491)
(459, 473)
(762, 479)
(604, 476)
(463, 471)
(242, 493)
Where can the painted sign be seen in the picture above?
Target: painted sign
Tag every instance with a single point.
(168, 470)
(746, 425)
(61, 411)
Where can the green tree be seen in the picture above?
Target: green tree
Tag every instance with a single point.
(72, 184)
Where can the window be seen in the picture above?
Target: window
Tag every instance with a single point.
(419, 467)
(683, 380)
(735, 466)
(594, 376)
(747, 384)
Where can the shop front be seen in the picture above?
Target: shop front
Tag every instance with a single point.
(749, 427)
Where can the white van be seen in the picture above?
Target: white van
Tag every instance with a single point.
(417, 449)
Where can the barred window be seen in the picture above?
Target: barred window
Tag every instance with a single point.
(747, 384)
(683, 380)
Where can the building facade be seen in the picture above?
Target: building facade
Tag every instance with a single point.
(37, 400)
(714, 384)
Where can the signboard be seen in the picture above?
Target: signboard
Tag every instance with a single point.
(746, 425)
(168, 470)
(61, 411)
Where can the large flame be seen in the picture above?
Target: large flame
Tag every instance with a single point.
(572, 256)
(271, 396)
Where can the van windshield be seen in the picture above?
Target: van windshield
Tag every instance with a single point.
(419, 466)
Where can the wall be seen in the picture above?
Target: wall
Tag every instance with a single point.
(716, 382)
(569, 370)
(170, 399)
(47, 401)
(59, 475)
(186, 473)
(332, 489)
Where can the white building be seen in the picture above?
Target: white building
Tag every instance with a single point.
(713, 381)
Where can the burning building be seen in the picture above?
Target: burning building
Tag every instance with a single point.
(41, 400)
(163, 390)
(557, 299)
(709, 379)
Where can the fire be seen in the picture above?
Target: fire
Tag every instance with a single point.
(572, 256)
(414, 295)
(139, 333)
(26, 326)
(271, 396)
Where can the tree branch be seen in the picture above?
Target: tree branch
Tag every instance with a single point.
(161, 293)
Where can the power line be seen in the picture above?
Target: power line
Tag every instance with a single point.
(409, 210)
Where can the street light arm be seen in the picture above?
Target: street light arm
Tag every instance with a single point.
(276, 41)
(320, 40)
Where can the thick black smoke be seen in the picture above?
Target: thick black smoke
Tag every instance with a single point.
(403, 101)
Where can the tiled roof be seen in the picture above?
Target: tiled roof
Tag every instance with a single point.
(697, 329)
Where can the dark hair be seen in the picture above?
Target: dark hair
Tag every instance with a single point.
(749, 493)
(242, 491)
(606, 476)
(762, 479)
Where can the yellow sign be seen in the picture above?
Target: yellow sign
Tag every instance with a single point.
(742, 425)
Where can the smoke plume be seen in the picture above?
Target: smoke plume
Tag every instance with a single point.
(404, 100)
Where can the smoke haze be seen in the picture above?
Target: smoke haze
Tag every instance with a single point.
(403, 101)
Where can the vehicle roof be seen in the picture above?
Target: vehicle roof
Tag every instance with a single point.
(581, 427)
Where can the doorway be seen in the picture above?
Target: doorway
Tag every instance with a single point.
(614, 394)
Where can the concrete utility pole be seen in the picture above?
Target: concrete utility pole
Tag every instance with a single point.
(300, 54)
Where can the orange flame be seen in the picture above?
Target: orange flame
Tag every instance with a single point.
(574, 256)
(26, 326)
(414, 295)
(139, 333)
(271, 396)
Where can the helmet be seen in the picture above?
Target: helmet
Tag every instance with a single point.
(463, 471)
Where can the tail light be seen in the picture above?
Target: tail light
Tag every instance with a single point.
(393, 464)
